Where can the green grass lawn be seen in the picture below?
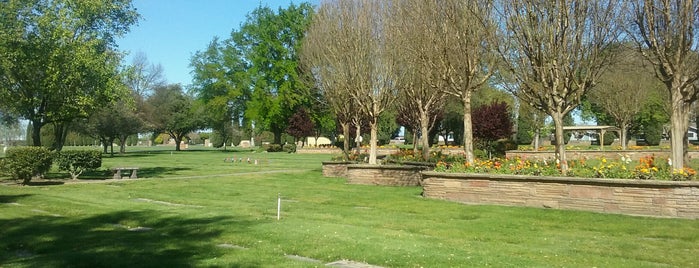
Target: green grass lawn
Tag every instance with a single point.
(191, 208)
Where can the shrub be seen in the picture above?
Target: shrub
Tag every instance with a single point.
(653, 134)
(76, 162)
(27, 162)
(3, 169)
(289, 148)
(273, 148)
(609, 137)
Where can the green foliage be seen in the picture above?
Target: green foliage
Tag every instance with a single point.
(529, 121)
(177, 113)
(217, 139)
(653, 133)
(27, 162)
(289, 148)
(387, 127)
(609, 137)
(76, 162)
(273, 148)
(267, 42)
(160, 139)
(66, 50)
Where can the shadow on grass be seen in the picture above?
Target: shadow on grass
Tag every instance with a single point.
(12, 198)
(155, 240)
(143, 173)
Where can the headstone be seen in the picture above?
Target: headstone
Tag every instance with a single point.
(245, 144)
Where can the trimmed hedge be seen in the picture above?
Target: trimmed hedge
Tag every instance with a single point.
(76, 162)
(27, 162)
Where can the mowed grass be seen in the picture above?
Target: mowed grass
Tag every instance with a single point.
(191, 208)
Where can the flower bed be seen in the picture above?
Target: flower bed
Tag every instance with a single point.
(633, 197)
(623, 167)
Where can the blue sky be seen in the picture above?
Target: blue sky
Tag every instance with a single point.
(170, 31)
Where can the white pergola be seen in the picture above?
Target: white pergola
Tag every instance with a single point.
(600, 129)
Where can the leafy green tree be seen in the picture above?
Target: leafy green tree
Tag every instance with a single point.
(530, 125)
(115, 121)
(387, 126)
(59, 61)
(269, 42)
(220, 80)
(177, 114)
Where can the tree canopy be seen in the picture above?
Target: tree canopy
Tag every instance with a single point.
(60, 61)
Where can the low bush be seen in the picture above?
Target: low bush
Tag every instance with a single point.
(76, 162)
(289, 148)
(273, 148)
(24, 163)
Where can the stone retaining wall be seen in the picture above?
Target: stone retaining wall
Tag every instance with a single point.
(388, 175)
(632, 197)
(306, 150)
(335, 168)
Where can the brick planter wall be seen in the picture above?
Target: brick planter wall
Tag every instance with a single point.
(388, 175)
(632, 197)
(335, 168)
(318, 151)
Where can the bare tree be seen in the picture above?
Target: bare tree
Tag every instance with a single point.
(554, 52)
(460, 59)
(357, 46)
(418, 24)
(142, 77)
(666, 33)
(623, 90)
(324, 56)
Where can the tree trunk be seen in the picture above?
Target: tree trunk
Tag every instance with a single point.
(60, 132)
(111, 147)
(122, 144)
(36, 132)
(358, 136)
(536, 139)
(678, 130)
(373, 141)
(105, 145)
(277, 135)
(622, 134)
(468, 129)
(178, 139)
(346, 135)
(415, 142)
(425, 137)
(560, 142)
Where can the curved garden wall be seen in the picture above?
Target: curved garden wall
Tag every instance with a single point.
(388, 175)
(336, 168)
(633, 197)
